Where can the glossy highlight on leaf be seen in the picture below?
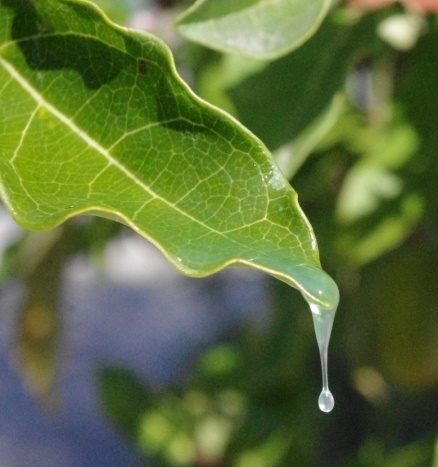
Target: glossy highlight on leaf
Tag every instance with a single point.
(260, 29)
(94, 119)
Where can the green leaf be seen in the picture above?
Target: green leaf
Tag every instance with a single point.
(261, 29)
(94, 119)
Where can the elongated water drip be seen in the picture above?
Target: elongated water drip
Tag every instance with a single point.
(322, 294)
(323, 322)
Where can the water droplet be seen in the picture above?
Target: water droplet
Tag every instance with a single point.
(322, 295)
(323, 323)
(326, 401)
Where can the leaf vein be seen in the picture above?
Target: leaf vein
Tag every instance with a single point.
(39, 99)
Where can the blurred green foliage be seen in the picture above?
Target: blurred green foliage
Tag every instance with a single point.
(354, 119)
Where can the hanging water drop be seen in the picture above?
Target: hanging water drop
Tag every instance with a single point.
(322, 295)
(326, 401)
(323, 323)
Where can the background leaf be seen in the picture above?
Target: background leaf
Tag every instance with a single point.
(260, 29)
(102, 124)
(37, 346)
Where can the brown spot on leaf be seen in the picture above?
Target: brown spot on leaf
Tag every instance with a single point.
(142, 67)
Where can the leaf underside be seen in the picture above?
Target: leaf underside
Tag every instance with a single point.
(94, 119)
